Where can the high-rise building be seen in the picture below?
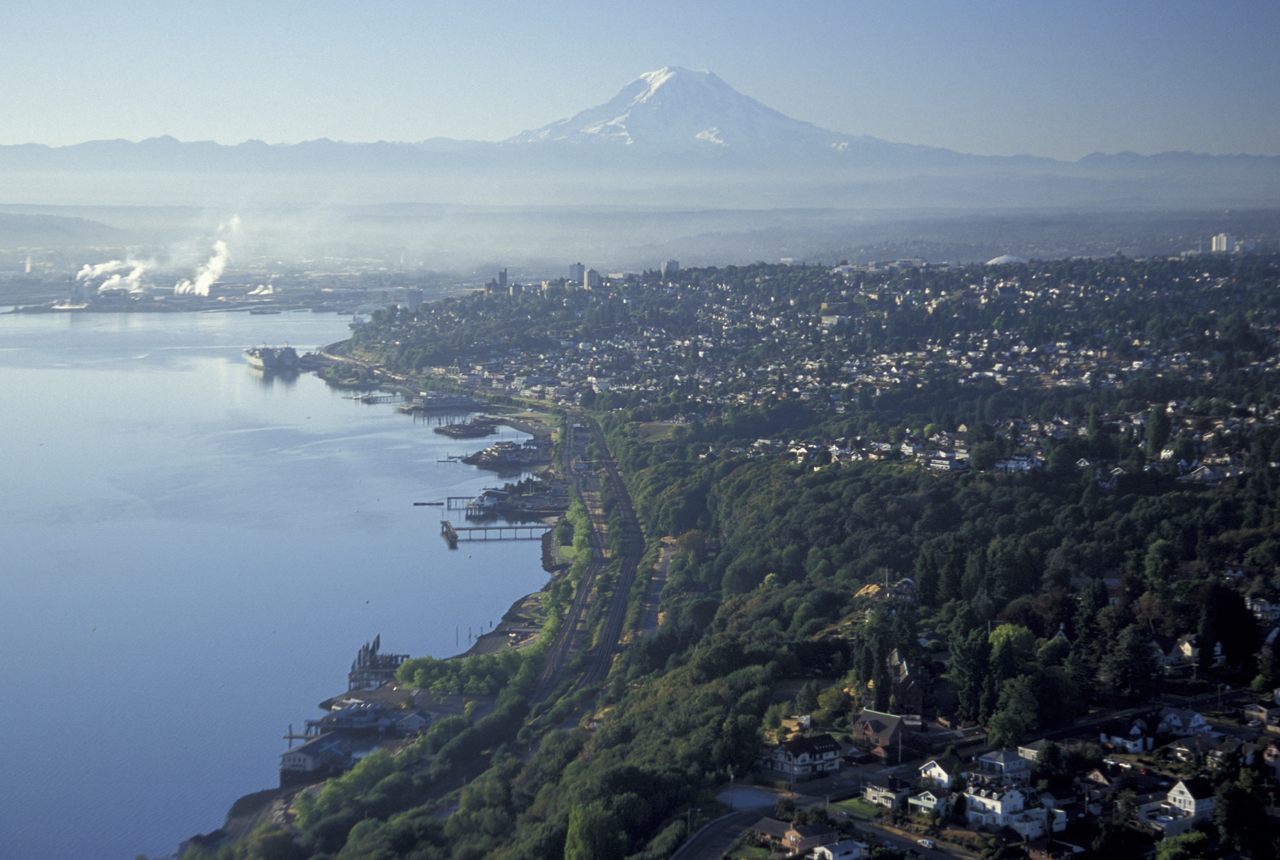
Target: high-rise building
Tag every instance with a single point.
(670, 268)
(1222, 243)
(591, 279)
(576, 271)
(502, 279)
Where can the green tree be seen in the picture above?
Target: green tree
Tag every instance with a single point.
(1128, 669)
(1017, 712)
(1192, 845)
(592, 834)
(1158, 427)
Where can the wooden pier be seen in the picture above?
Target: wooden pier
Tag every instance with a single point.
(452, 534)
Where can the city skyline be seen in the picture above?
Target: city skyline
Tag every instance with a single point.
(998, 79)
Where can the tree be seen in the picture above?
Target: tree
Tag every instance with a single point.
(1192, 845)
(592, 834)
(1017, 712)
(1128, 670)
(969, 658)
(1159, 564)
(1158, 426)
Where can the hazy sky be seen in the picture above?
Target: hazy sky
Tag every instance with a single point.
(1049, 78)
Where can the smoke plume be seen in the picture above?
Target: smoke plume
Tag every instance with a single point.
(208, 273)
(119, 279)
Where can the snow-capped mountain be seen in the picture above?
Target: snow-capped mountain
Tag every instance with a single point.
(672, 135)
(676, 108)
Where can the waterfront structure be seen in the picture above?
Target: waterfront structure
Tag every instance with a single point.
(372, 669)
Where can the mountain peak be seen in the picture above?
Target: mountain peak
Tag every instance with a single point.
(678, 108)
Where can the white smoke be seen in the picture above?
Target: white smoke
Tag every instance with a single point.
(93, 271)
(124, 274)
(263, 290)
(131, 281)
(208, 273)
(211, 270)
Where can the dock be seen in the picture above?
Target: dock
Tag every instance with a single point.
(377, 397)
(453, 534)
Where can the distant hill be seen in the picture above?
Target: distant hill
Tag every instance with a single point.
(670, 137)
(40, 230)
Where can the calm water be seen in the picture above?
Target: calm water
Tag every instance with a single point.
(190, 556)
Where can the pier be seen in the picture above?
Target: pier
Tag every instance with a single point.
(377, 397)
(452, 534)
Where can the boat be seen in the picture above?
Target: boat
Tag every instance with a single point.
(272, 357)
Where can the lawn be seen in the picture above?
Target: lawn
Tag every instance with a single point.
(857, 807)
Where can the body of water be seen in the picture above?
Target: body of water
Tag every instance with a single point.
(190, 555)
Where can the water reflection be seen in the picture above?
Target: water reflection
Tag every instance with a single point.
(272, 378)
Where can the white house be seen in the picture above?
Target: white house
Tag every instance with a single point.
(1131, 736)
(993, 807)
(929, 803)
(1192, 797)
(846, 850)
(1183, 722)
(1006, 765)
(888, 793)
(803, 757)
(937, 774)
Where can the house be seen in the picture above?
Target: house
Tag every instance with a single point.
(846, 850)
(1129, 736)
(1031, 752)
(1264, 609)
(1188, 652)
(938, 774)
(1230, 750)
(1194, 797)
(929, 803)
(799, 838)
(1004, 765)
(1036, 822)
(888, 792)
(804, 757)
(321, 756)
(992, 807)
(880, 733)
(1182, 722)
(1194, 749)
(1263, 712)
(906, 693)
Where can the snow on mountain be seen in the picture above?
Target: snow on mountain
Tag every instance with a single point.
(677, 108)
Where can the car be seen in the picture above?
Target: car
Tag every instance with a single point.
(925, 843)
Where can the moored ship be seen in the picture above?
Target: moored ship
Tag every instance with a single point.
(272, 357)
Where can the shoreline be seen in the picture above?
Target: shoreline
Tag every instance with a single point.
(251, 810)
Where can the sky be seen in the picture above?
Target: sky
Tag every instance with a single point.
(1045, 78)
